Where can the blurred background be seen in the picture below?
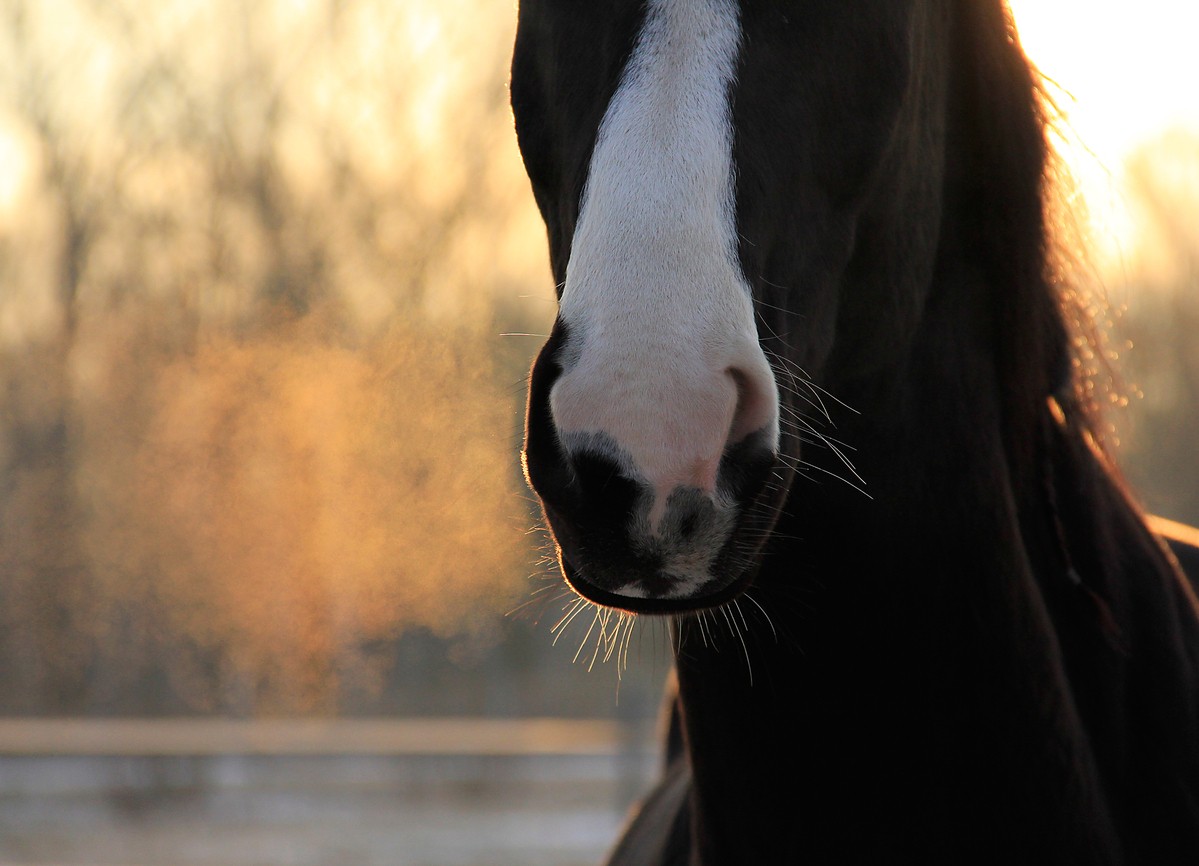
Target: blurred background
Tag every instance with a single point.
(271, 587)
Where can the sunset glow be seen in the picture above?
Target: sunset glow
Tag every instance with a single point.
(1126, 76)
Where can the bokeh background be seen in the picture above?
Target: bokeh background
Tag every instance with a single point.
(270, 282)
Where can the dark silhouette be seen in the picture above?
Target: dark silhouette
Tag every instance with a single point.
(931, 628)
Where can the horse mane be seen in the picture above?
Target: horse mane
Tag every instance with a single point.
(1052, 347)
(1010, 177)
(1122, 583)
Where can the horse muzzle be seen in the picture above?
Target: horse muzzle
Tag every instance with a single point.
(647, 535)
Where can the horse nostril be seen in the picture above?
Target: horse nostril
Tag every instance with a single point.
(757, 404)
(604, 486)
(688, 525)
(747, 466)
(593, 472)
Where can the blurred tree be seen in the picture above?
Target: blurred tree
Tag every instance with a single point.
(46, 571)
(251, 427)
(1163, 324)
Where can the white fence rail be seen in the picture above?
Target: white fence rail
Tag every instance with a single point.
(413, 736)
(400, 792)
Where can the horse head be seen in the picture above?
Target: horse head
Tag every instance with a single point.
(716, 217)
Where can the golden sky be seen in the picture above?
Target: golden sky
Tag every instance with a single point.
(1129, 73)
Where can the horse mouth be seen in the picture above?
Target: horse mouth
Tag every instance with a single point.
(656, 593)
(697, 555)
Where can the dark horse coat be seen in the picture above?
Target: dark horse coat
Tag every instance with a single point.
(816, 377)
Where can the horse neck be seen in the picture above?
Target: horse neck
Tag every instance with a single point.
(916, 653)
(982, 610)
(908, 625)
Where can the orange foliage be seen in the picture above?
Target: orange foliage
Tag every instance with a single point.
(292, 500)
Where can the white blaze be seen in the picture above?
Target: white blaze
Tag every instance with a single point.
(662, 343)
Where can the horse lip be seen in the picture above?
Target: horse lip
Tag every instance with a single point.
(649, 605)
(569, 540)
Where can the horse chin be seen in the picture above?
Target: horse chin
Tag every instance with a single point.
(638, 599)
(639, 573)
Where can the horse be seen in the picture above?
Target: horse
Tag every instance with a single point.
(820, 393)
